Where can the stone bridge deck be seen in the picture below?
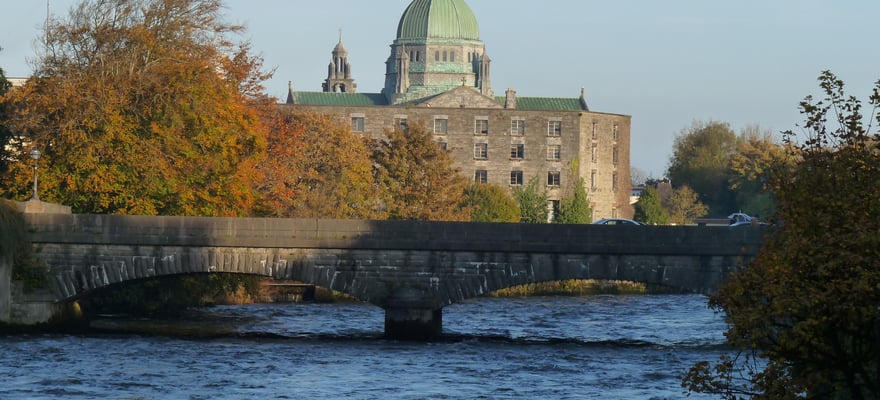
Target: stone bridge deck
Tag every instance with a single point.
(410, 268)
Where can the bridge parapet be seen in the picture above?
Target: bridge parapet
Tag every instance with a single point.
(411, 269)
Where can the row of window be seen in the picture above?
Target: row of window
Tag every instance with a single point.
(615, 131)
(516, 177)
(517, 151)
(517, 127)
(481, 127)
(554, 178)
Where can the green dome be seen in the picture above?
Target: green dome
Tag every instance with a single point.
(438, 19)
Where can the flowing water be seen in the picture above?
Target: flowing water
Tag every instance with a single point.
(597, 347)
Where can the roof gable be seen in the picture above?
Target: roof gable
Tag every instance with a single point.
(460, 97)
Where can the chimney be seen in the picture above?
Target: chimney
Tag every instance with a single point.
(510, 100)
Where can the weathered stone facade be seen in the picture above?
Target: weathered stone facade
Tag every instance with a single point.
(438, 75)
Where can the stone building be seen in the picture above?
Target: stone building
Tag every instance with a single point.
(439, 74)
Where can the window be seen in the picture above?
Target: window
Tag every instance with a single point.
(437, 55)
(441, 125)
(452, 56)
(595, 153)
(594, 179)
(517, 151)
(481, 151)
(595, 130)
(614, 185)
(553, 178)
(481, 126)
(516, 178)
(481, 176)
(615, 133)
(614, 156)
(554, 152)
(554, 128)
(400, 123)
(517, 127)
(357, 124)
(443, 146)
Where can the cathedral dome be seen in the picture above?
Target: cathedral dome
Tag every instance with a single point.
(438, 19)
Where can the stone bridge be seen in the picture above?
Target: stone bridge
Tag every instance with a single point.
(411, 269)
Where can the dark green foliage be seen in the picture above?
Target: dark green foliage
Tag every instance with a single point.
(171, 294)
(575, 206)
(649, 209)
(807, 306)
(532, 203)
(491, 203)
(701, 157)
(15, 248)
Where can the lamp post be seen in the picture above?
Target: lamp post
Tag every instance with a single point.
(35, 155)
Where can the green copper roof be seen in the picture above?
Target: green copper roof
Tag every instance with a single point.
(438, 19)
(340, 99)
(545, 103)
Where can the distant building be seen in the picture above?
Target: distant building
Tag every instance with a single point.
(16, 82)
(439, 74)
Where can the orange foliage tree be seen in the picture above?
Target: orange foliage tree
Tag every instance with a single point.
(316, 168)
(142, 107)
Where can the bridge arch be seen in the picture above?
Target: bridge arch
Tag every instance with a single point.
(411, 269)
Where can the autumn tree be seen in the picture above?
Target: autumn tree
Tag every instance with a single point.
(416, 178)
(5, 132)
(807, 307)
(700, 159)
(532, 202)
(491, 203)
(316, 167)
(143, 107)
(649, 209)
(683, 206)
(750, 166)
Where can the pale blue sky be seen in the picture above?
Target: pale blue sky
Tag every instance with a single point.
(665, 63)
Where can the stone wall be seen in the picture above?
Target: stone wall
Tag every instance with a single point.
(5, 286)
(378, 260)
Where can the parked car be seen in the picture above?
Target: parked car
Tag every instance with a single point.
(616, 221)
(739, 217)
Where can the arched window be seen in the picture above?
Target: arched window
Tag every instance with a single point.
(444, 56)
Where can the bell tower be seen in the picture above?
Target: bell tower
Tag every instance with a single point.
(339, 71)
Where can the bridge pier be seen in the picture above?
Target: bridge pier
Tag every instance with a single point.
(413, 323)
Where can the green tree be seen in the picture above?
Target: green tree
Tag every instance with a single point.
(807, 306)
(316, 168)
(574, 208)
(491, 203)
(649, 208)
(683, 206)
(700, 159)
(417, 179)
(532, 202)
(143, 107)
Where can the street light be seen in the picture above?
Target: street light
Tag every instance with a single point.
(35, 155)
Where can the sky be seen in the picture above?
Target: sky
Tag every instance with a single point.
(668, 64)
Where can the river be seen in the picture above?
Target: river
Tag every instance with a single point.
(596, 347)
